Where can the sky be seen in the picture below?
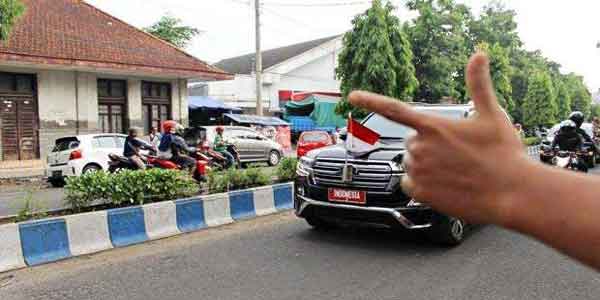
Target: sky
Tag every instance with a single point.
(563, 30)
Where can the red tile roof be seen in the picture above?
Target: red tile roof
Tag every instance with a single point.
(74, 33)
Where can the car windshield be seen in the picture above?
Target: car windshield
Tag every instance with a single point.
(392, 130)
(313, 137)
(65, 144)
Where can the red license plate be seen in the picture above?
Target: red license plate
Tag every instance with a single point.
(347, 196)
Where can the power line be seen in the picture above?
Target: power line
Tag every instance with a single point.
(331, 4)
(240, 2)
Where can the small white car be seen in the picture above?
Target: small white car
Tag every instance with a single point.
(75, 155)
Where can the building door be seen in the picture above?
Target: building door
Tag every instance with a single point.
(112, 101)
(156, 104)
(19, 117)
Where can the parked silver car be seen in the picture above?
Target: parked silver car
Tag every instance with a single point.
(252, 146)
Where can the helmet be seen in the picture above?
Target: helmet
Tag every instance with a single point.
(567, 125)
(220, 129)
(169, 126)
(577, 117)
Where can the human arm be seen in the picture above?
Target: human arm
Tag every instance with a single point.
(509, 190)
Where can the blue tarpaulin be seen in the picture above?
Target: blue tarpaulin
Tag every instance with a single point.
(195, 102)
(258, 120)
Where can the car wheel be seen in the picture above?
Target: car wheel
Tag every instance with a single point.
(91, 168)
(318, 223)
(274, 158)
(57, 183)
(447, 230)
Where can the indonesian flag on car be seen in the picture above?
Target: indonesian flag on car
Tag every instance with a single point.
(360, 139)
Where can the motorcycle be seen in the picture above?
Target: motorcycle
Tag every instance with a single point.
(569, 160)
(217, 160)
(117, 163)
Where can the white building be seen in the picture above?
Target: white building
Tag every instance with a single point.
(304, 67)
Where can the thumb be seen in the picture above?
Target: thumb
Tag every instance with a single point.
(481, 88)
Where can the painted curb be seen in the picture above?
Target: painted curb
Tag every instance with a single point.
(44, 241)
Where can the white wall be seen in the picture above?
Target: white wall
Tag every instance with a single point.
(311, 71)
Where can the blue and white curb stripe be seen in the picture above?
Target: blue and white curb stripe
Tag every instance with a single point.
(48, 240)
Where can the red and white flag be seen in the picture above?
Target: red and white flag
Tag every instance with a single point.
(360, 139)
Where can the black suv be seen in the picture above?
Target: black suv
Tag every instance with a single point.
(370, 193)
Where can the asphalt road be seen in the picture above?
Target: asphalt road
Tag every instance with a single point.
(280, 257)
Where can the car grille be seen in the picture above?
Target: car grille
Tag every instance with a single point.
(371, 175)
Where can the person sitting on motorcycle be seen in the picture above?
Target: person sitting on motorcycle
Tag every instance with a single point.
(221, 146)
(567, 138)
(174, 148)
(132, 148)
(578, 117)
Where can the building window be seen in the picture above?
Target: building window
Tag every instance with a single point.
(112, 100)
(156, 104)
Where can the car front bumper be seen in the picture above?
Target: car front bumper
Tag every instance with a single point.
(412, 218)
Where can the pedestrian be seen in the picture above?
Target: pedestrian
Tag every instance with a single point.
(154, 136)
(489, 179)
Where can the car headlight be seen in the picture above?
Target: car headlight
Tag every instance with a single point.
(304, 167)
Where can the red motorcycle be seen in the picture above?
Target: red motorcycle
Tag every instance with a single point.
(199, 173)
(118, 162)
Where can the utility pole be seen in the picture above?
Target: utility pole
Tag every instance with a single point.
(258, 60)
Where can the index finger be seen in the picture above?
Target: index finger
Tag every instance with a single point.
(394, 110)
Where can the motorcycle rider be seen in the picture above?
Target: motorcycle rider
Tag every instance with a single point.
(132, 148)
(221, 146)
(578, 117)
(567, 138)
(174, 148)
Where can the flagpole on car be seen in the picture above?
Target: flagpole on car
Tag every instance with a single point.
(349, 137)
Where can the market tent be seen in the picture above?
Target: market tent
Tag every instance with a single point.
(205, 102)
(314, 112)
(256, 120)
(300, 108)
(324, 114)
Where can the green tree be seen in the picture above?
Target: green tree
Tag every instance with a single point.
(439, 42)
(595, 111)
(581, 99)
(563, 99)
(539, 105)
(10, 11)
(501, 71)
(496, 25)
(377, 57)
(169, 29)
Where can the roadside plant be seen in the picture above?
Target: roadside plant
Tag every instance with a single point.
(128, 187)
(32, 209)
(286, 170)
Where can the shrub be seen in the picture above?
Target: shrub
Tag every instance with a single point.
(286, 170)
(532, 141)
(217, 183)
(128, 187)
(236, 179)
(257, 177)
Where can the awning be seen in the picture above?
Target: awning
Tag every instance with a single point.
(257, 120)
(195, 102)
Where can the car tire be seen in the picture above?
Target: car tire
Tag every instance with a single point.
(57, 183)
(274, 158)
(318, 223)
(447, 231)
(91, 168)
